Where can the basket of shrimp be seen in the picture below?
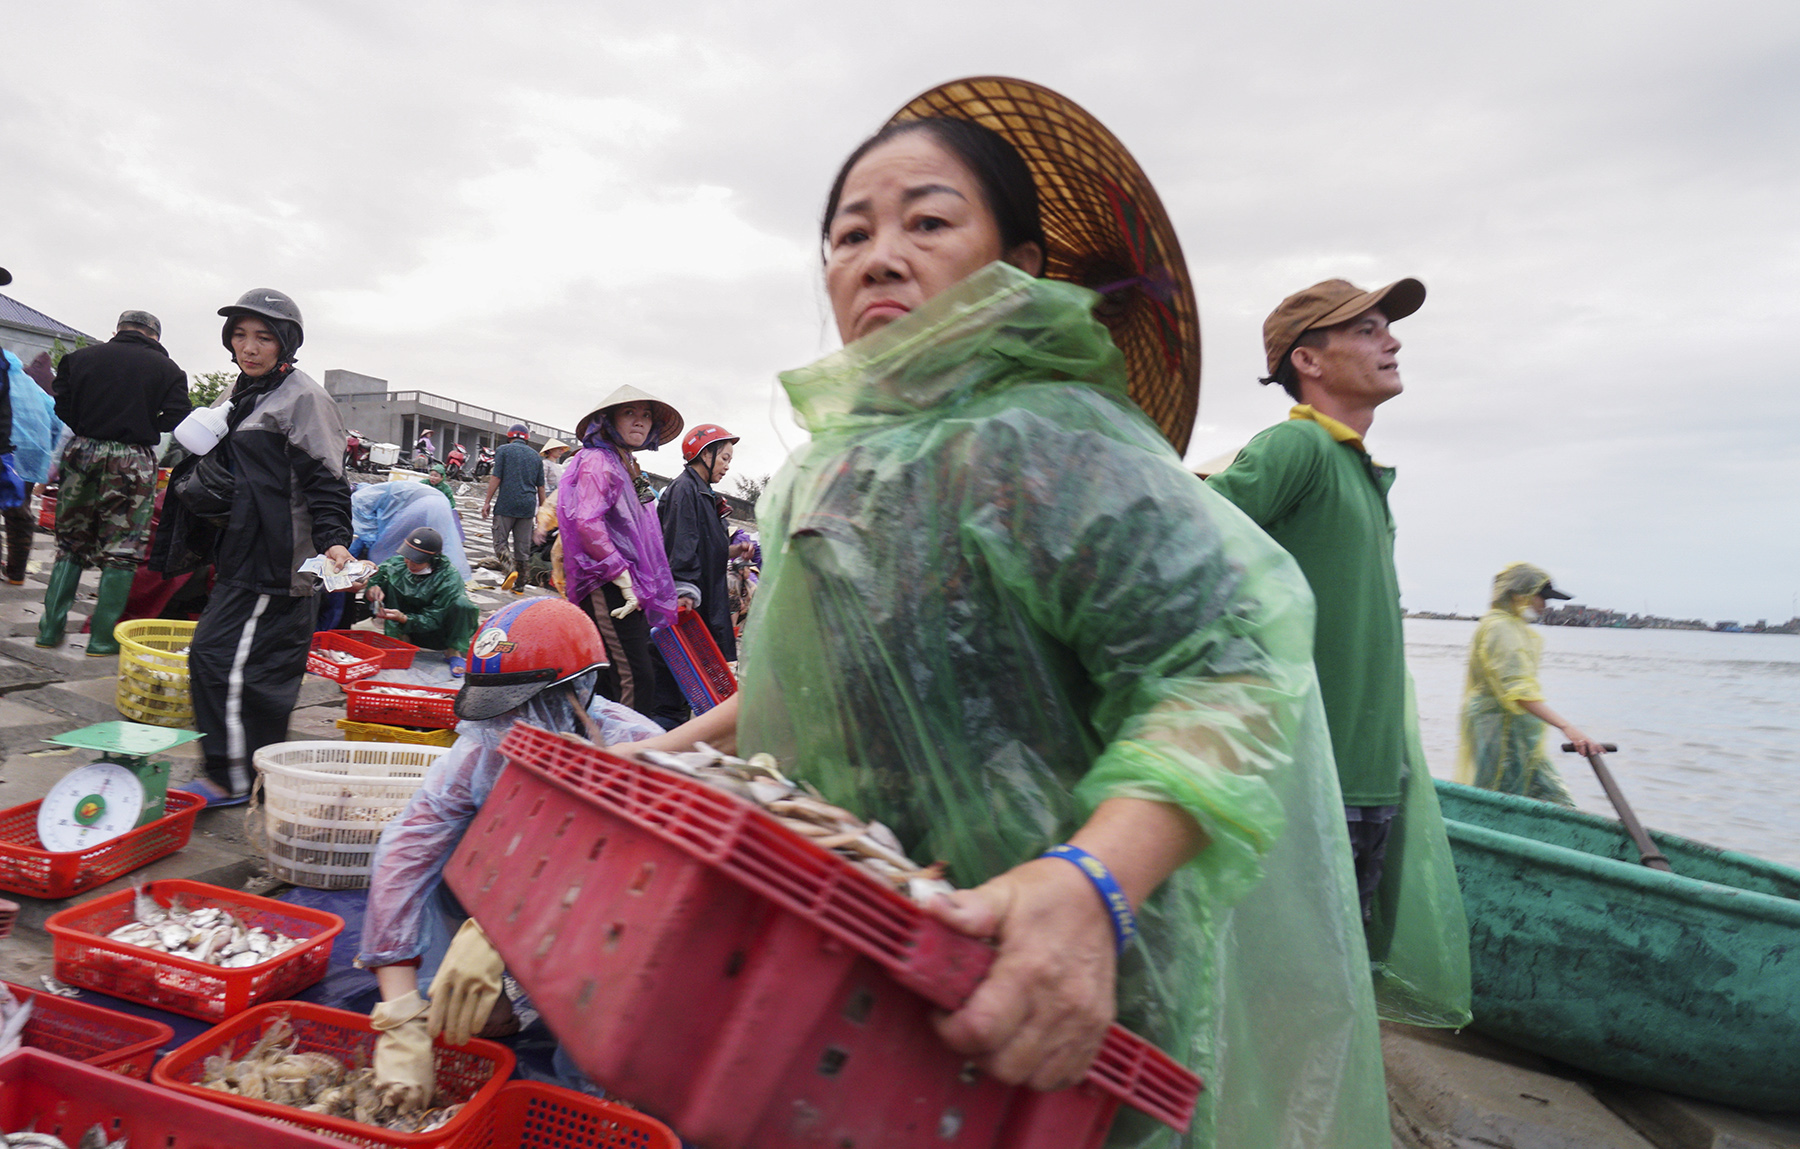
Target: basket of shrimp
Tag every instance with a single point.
(191, 948)
(749, 963)
(309, 1065)
(324, 805)
(61, 1102)
(401, 704)
(551, 1117)
(104, 1038)
(342, 659)
(153, 671)
(395, 653)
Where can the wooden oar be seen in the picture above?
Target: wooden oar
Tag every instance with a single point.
(1652, 856)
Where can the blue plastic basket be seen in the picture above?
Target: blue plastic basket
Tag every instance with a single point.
(694, 659)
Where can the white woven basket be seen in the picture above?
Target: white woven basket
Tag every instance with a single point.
(325, 803)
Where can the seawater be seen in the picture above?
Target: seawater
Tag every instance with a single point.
(1707, 724)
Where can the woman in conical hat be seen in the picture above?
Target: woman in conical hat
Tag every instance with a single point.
(997, 614)
(614, 565)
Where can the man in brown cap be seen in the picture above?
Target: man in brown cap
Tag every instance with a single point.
(1311, 484)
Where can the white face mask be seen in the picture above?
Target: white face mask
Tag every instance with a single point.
(1530, 614)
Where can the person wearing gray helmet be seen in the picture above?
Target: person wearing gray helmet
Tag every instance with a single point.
(283, 500)
(117, 399)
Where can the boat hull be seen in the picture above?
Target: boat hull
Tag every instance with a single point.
(1687, 982)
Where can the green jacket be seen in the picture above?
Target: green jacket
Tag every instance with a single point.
(429, 601)
(992, 598)
(1325, 502)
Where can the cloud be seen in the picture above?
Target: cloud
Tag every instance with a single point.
(526, 205)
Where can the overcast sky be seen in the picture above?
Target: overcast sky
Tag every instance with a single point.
(525, 205)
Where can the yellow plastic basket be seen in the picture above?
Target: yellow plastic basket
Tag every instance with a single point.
(378, 732)
(153, 671)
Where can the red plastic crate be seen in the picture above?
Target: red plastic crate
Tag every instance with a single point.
(469, 1075)
(368, 657)
(395, 654)
(86, 957)
(9, 913)
(65, 1098)
(695, 661)
(374, 702)
(532, 1115)
(47, 510)
(104, 1038)
(697, 957)
(27, 868)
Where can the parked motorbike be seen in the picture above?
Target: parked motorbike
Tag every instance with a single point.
(453, 463)
(484, 463)
(356, 454)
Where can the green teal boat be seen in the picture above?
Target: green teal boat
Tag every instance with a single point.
(1687, 981)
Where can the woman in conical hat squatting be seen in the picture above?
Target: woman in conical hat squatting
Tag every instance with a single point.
(614, 565)
(997, 614)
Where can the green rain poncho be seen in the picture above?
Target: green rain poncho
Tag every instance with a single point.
(992, 598)
(1503, 743)
(439, 613)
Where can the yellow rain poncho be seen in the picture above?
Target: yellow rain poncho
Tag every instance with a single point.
(1503, 746)
(992, 598)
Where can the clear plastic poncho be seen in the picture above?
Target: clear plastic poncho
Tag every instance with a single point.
(605, 531)
(993, 598)
(36, 430)
(383, 514)
(1503, 745)
(416, 845)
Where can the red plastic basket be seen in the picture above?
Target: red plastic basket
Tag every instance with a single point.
(27, 868)
(532, 1115)
(9, 913)
(47, 510)
(368, 658)
(694, 658)
(395, 654)
(104, 1038)
(65, 1098)
(377, 702)
(470, 1075)
(695, 956)
(86, 957)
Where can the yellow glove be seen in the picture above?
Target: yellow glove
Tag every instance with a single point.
(403, 1051)
(466, 986)
(623, 582)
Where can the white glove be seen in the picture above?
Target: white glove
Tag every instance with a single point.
(623, 582)
(403, 1051)
(466, 986)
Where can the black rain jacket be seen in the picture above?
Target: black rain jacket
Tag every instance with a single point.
(699, 549)
(126, 390)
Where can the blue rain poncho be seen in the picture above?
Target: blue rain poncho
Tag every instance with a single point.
(383, 514)
(993, 598)
(416, 845)
(36, 429)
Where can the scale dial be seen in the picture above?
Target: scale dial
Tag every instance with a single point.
(90, 805)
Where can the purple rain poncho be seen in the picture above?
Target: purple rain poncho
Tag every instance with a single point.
(606, 530)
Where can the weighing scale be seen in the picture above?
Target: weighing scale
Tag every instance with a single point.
(126, 787)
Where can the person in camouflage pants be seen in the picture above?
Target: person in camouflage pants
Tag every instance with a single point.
(117, 399)
(104, 502)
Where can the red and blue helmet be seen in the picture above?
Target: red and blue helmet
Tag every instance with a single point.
(523, 650)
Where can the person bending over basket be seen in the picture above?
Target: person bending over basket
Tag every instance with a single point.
(999, 615)
(422, 600)
(534, 661)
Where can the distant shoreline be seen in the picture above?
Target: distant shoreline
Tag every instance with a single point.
(1790, 628)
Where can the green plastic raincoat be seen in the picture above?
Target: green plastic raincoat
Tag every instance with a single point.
(993, 598)
(1502, 743)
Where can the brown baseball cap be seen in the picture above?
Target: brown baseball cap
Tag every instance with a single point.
(1330, 303)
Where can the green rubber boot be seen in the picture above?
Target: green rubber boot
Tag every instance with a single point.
(65, 578)
(115, 588)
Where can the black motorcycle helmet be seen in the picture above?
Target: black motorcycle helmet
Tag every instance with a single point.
(274, 307)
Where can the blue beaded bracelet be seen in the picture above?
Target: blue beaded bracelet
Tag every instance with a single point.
(1124, 922)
